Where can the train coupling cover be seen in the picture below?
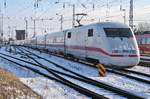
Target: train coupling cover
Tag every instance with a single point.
(101, 70)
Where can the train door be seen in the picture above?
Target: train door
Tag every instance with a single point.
(75, 43)
(89, 41)
(81, 42)
(68, 43)
(91, 45)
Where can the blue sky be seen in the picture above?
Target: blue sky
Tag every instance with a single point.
(17, 10)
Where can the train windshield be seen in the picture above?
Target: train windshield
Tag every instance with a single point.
(118, 32)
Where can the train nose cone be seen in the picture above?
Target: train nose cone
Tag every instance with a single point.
(126, 61)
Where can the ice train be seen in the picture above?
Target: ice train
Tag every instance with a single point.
(109, 43)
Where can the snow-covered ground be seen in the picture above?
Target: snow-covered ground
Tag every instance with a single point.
(115, 80)
(93, 73)
(49, 88)
(141, 69)
(103, 92)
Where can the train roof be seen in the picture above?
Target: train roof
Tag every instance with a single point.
(113, 24)
(109, 24)
(104, 25)
(100, 24)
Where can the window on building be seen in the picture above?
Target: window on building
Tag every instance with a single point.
(145, 40)
(148, 41)
(90, 32)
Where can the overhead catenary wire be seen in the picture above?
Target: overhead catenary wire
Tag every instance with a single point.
(85, 6)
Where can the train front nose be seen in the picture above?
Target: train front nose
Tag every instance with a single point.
(122, 46)
(125, 60)
(125, 56)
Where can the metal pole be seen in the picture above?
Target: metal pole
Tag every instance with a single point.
(124, 15)
(2, 26)
(34, 28)
(34, 23)
(61, 22)
(9, 31)
(26, 21)
(131, 14)
(73, 19)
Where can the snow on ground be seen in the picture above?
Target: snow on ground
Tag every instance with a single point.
(140, 76)
(127, 84)
(12, 88)
(49, 89)
(91, 87)
(141, 69)
(95, 89)
(113, 79)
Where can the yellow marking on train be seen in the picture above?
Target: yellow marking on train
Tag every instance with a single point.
(101, 69)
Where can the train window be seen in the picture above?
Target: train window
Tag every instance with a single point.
(69, 34)
(59, 39)
(140, 41)
(118, 32)
(145, 40)
(90, 32)
(148, 41)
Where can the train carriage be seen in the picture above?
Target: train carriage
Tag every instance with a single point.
(55, 42)
(144, 42)
(109, 43)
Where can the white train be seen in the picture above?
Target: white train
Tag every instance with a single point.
(108, 43)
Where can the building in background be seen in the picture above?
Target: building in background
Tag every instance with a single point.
(20, 34)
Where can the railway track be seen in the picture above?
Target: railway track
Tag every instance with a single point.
(81, 77)
(145, 81)
(126, 73)
(135, 72)
(122, 72)
(144, 62)
(145, 59)
(57, 78)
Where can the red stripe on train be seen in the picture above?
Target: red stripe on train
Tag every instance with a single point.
(93, 49)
